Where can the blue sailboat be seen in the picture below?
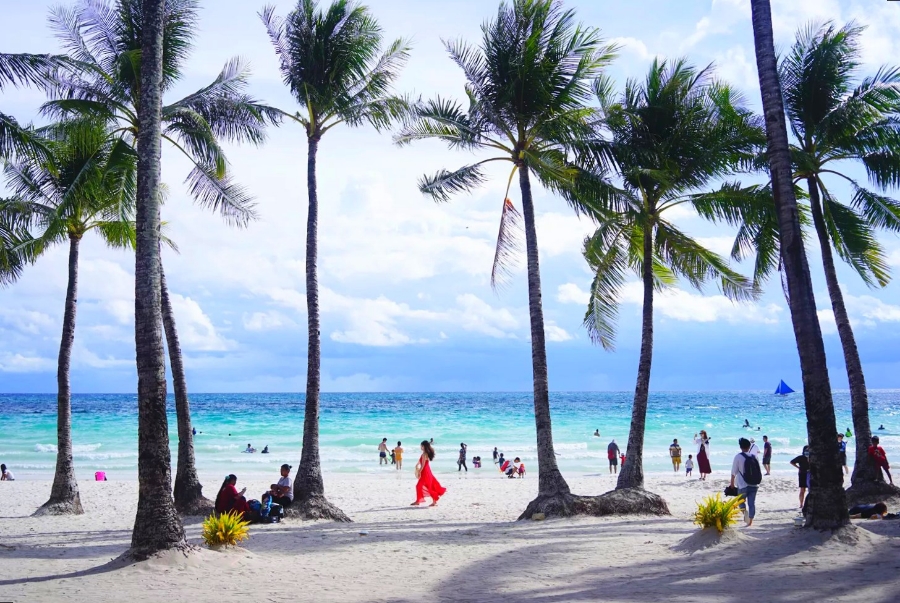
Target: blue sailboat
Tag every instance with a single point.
(783, 389)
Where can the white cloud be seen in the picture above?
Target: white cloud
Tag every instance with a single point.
(737, 66)
(638, 47)
(554, 332)
(478, 316)
(720, 245)
(570, 293)
(682, 305)
(864, 311)
(26, 321)
(559, 234)
(195, 329)
(21, 363)
(267, 321)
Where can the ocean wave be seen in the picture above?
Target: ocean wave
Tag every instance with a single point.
(77, 449)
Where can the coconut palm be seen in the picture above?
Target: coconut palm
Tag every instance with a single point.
(528, 85)
(105, 42)
(827, 501)
(669, 137)
(836, 119)
(332, 61)
(157, 525)
(84, 182)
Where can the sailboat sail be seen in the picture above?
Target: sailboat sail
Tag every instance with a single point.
(783, 389)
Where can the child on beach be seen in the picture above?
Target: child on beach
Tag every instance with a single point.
(877, 454)
(6, 475)
(689, 465)
(398, 456)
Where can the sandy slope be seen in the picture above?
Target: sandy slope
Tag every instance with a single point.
(467, 549)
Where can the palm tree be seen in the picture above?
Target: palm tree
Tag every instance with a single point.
(527, 85)
(668, 137)
(332, 62)
(84, 182)
(832, 121)
(157, 525)
(104, 40)
(827, 500)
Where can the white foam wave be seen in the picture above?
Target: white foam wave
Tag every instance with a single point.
(80, 448)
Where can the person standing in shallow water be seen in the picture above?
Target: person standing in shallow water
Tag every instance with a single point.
(427, 484)
(398, 456)
(767, 454)
(461, 461)
(703, 465)
(382, 452)
(675, 454)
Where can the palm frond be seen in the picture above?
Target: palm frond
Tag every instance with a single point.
(221, 195)
(855, 242)
(445, 184)
(509, 246)
(604, 253)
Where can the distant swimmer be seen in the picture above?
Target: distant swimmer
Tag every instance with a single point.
(746, 423)
(193, 431)
(596, 433)
(849, 433)
(881, 428)
(265, 450)
(250, 448)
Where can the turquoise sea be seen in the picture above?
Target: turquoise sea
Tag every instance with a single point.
(352, 425)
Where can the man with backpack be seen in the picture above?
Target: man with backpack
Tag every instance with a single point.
(746, 475)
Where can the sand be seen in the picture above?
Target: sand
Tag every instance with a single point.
(469, 548)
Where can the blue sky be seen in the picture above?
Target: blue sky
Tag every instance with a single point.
(405, 294)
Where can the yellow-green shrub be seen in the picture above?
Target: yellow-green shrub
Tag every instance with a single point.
(226, 529)
(713, 512)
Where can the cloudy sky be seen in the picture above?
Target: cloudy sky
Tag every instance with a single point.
(405, 294)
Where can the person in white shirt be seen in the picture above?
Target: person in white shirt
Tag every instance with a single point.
(754, 449)
(738, 472)
(283, 492)
(7, 475)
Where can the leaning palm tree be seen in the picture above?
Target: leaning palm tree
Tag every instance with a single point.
(833, 121)
(528, 86)
(827, 500)
(668, 137)
(332, 62)
(157, 526)
(105, 41)
(85, 182)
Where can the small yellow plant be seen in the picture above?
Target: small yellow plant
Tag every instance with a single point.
(226, 529)
(713, 512)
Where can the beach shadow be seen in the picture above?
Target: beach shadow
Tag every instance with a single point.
(110, 566)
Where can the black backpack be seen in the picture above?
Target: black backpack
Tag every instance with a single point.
(752, 473)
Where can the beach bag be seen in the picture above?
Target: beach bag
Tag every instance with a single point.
(752, 473)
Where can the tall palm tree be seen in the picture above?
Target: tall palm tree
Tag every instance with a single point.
(668, 137)
(827, 500)
(834, 120)
(84, 182)
(331, 60)
(157, 525)
(104, 41)
(528, 85)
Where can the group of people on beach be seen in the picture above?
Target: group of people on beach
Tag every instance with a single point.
(270, 506)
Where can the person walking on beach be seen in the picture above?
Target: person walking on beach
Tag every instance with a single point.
(877, 454)
(496, 455)
(689, 465)
(382, 452)
(802, 464)
(427, 484)
(675, 454)
(703, 465)
(398, 456)
(746, 476)
(767, 455)
(843, 446)
(612, 453)
(461, 461)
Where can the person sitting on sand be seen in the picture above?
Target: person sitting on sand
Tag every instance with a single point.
(282, 492)
(249, 448)
(229, 499)
(877, 454)
(398, 456)
(876, 511)
(6, 475)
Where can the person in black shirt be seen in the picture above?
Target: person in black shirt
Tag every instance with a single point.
(802, 464)
(876, 511)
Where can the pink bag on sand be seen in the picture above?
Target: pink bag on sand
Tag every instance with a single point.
(100, 476)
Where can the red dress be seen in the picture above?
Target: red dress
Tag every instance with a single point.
(428, 484)
(229, 499)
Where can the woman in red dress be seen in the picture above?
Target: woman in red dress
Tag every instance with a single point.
(427, 484)
(229, 499)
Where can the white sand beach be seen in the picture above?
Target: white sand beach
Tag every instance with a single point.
(469, 548)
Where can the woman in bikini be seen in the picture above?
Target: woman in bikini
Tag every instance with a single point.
(427, 484)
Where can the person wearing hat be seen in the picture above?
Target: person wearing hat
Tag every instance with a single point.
(754, 449)
(282, 492)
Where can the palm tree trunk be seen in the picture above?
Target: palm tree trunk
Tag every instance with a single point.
(189, 498)
(632, 474)
(64, 495)
(867, 479)
(827, 500)
(551, 483)
(157, 526)
(309, 487)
